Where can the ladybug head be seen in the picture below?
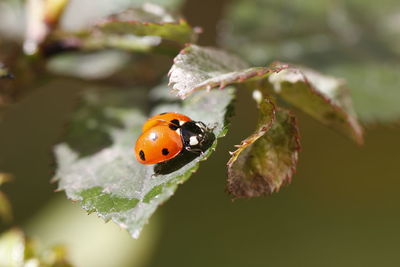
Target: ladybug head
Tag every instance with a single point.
(194, 135)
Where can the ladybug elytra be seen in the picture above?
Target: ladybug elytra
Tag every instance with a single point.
(166, 135)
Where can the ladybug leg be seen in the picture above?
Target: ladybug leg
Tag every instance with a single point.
(211, 126)
(194, 150)
(204, 127)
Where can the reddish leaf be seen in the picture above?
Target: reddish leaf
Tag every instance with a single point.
(267, 159)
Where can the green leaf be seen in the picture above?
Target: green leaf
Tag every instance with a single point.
(324, 98)
(198, 68)
(150, 20)
(146, 13)
(267, 159)
(137, 29)
(103, 202)
(108, 180)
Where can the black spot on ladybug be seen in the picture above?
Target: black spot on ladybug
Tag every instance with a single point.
(175, 121)
(165, 151)
(173, 127)
(141, 155)
(162, 113)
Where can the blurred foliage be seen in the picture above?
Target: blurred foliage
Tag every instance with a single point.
(359, 41)
(90, 241)
(5, 207)
(81, 64)
(139, 29)
(17, 251)
(135, 29)
(4, 73)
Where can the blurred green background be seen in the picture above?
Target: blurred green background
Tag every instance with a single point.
(342, 206)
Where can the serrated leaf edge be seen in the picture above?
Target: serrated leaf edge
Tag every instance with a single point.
(249, 73)
(357, 130)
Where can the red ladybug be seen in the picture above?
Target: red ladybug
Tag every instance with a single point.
(165, 135)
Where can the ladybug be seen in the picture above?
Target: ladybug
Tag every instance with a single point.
(166, 135)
